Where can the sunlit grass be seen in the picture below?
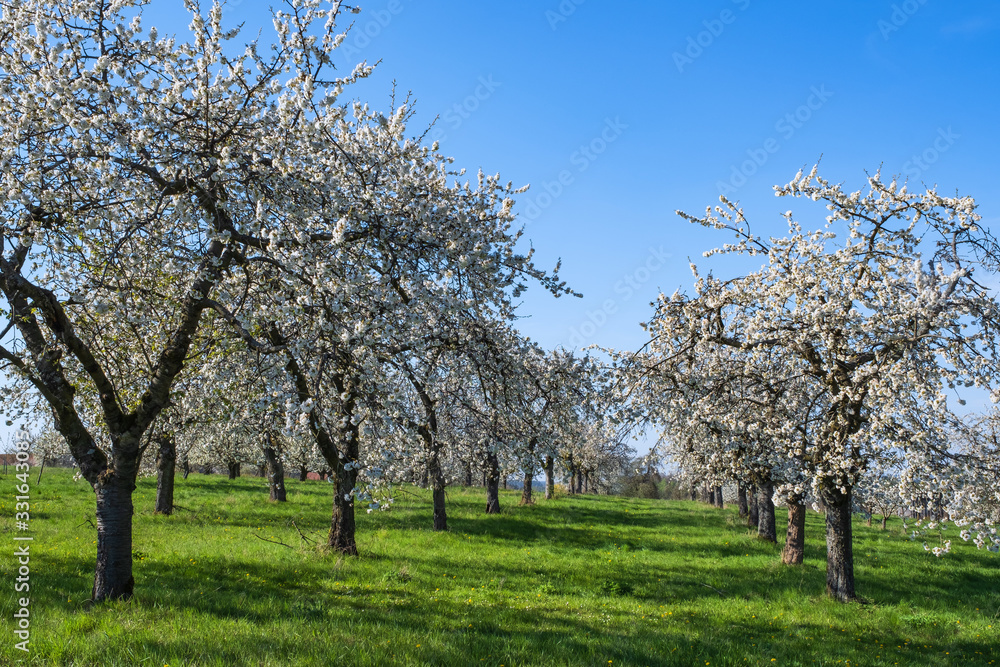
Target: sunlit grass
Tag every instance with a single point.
(574, 581)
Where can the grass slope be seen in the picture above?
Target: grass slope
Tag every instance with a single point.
(574, 581)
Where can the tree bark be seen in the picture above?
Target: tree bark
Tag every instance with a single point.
(550, 480)
(741, 500)
(440, 512)
(711, 496)
(113, 576)
(753, 509)
(234, 469)
(166, 457)
(766, 526)
(438, 484)
(492, 484)
(468, 474)
(185, 465)
(795, 539)
(884, 517)
(718, 498)
(275, 473)
(839, 544)
(529, 480)
(303, 473)
(342, 527)
(694, 492)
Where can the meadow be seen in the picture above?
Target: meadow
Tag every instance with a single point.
(232, 579)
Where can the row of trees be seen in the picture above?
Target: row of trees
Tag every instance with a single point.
(203, 247)
(835, 367)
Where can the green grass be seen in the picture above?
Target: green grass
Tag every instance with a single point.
(573, 581)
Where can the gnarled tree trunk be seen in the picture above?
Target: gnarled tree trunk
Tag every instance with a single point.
(492, 484)
(741, 500)
(529, 480)
(342, 526)
(113, 576)
(753, 509)
(438, 483)
(234, 469)
(795, 539)
(166, 456)
(303, 474)
(275, 473)
(718, 498)
(766, 526)
(839, 544)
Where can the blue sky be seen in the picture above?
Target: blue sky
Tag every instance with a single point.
(619, 114)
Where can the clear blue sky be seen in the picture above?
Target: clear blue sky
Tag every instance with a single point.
(683, 93)
(643, 108)
(630, 111)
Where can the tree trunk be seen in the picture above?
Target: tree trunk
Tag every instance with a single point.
(741, 500)
(275, 473)
(753, 509)
(694, 492)
(303, 473)
(438, 483)
(711, 496)
(342, 526)
(839, 544)
(550, 481)
(572, 474)
(468, 475)
(795, 539)
(113, 575)
(234, 469)
(884, 517)
(529, 480)
(718, 498)
(579, 481)
(166, 457)
(766, 526)
(185, 465)
(492, 484)
(586, 482)
(440, 513)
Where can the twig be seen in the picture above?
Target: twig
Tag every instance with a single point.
(272, 541)
(88, 521)
(306, 539)
(715, 589)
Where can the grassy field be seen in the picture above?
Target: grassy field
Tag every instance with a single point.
(573, 581)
